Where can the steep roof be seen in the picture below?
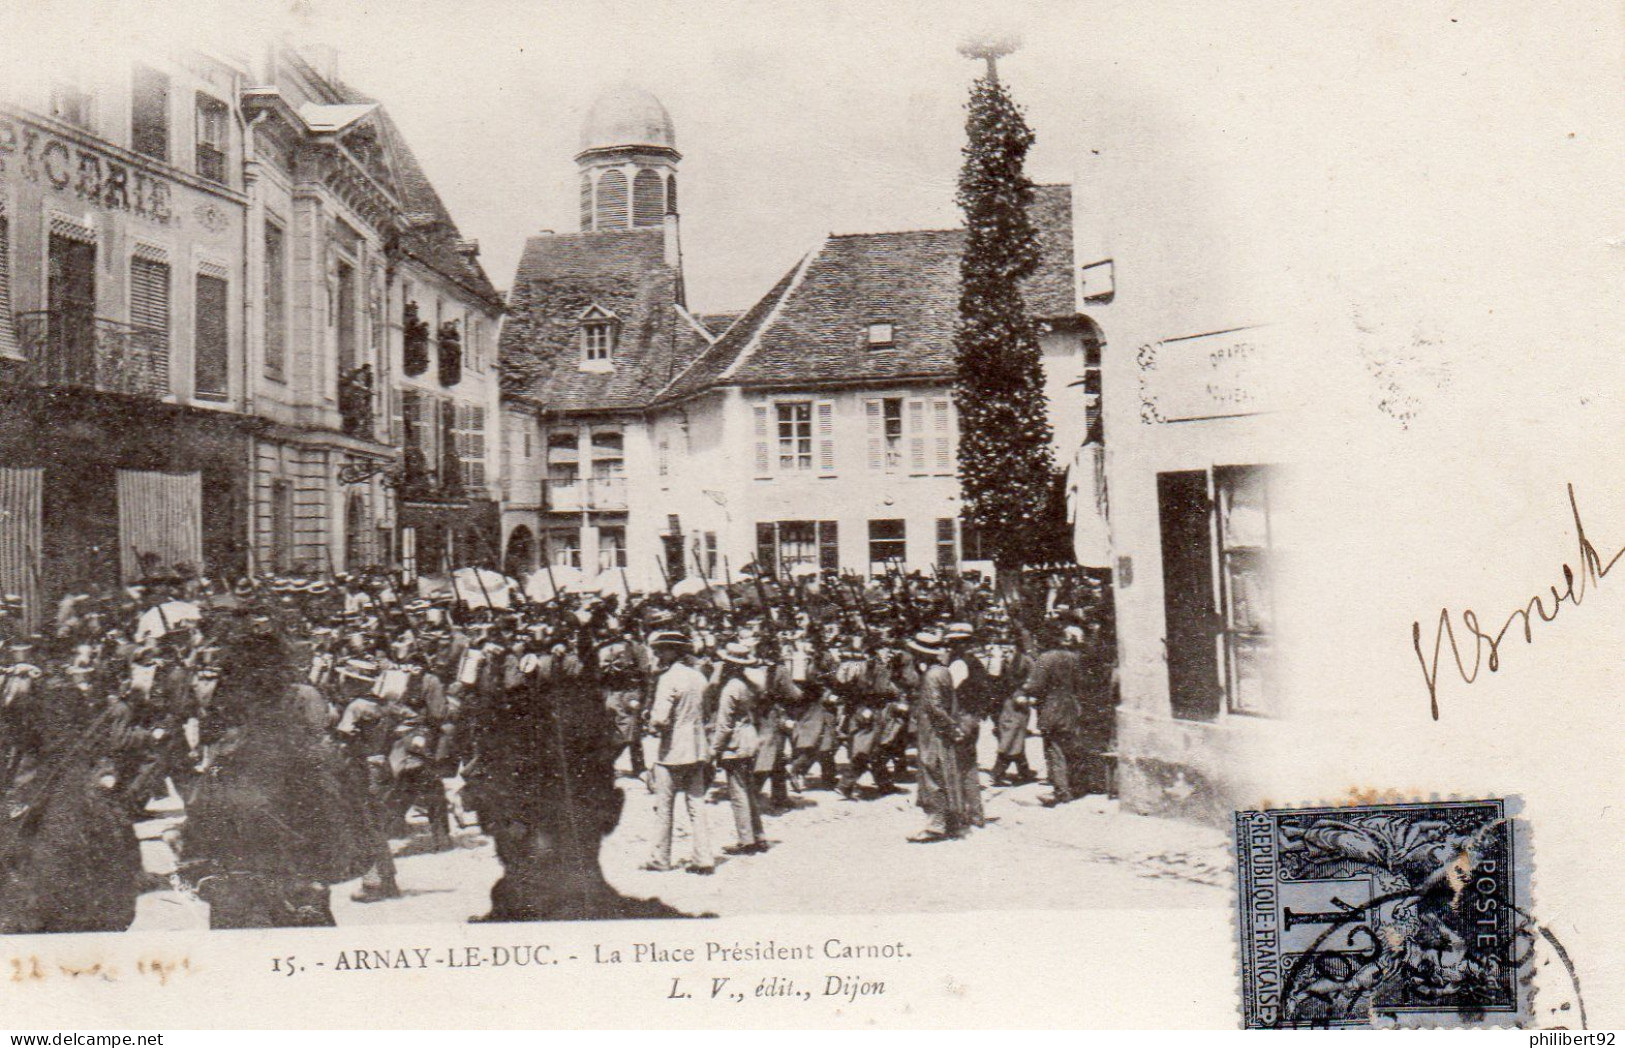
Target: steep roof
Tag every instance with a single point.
(431, 235)
(812, 327)
(560, 276)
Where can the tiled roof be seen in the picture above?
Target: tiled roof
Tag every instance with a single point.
(718, 323)
(813, 326)
(432, 237)
(559, 277)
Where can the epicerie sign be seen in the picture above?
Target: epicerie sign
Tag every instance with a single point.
(88, 173)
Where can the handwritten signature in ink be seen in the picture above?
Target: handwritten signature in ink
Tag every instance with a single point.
(1593, 569)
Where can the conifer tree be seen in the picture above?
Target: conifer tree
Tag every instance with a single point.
(1005, 468)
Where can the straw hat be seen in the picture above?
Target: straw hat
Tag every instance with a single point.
(737, 653)
(926, 643)
(670, 639)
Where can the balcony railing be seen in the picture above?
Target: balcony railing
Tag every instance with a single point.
(68, 348)
(574, 496)
(355, 401)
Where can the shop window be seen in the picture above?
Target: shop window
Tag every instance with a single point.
(1244, 532)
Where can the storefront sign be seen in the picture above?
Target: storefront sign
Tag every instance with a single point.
(1218, 375)
(89, 173)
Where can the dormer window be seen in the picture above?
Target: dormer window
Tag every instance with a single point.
(599, 328)
(882, 334)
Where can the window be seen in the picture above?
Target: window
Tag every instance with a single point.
(1218, 608)
(1093, 421)
(829, 546)
(213, 122)
(782, 545)
(1244, 553)
(929, 426)
(663, 457)
(597, 341)
(276, 301)
(149, 113)
(344, 318)
(888, 542)
(414, 340)
(71, 299)
(564, 548)
(281, 525)
(149, 315)
(885, 421)
(451, 353)
(211, 349)
(711, 554)
(70, 104)
(795, 436)
(8, 323)
(471, 445)
(882, 335)
(611, 548)
(947, 555)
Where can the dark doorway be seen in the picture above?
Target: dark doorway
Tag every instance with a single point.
(1189, 607)
(80, 534)
(521, 558)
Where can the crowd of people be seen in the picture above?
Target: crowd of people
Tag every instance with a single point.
(301, 721)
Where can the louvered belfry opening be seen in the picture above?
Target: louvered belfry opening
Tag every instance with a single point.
(648, 198)
(612, 202)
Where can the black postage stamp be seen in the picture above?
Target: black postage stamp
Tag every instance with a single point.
(1392, 914)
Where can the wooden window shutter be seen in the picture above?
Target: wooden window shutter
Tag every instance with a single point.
(874, 423)
(941, 424)
(916, 436)
(763, 460)
(824, 411)
(8, 330)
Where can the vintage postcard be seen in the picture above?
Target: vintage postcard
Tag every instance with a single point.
(819, 514)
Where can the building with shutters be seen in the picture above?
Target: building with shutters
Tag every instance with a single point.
(239, 331)
(373, 356)
(816, 428)
(123, 434)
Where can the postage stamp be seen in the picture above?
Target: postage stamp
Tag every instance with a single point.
(1382, 915)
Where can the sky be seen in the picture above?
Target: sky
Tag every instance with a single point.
(796, 118)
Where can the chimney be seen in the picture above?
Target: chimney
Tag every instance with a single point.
(674, 251)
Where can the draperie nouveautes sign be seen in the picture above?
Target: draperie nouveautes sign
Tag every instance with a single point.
(89, 173)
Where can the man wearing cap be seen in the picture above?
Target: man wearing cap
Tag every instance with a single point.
(936, 726)
(678, 718)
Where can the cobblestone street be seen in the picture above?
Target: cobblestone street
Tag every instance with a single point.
(829, 856)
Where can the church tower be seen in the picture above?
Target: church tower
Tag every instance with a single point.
(628, 162)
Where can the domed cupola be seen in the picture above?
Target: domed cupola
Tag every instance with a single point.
(628, 162)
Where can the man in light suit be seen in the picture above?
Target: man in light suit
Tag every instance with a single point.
(678, 717)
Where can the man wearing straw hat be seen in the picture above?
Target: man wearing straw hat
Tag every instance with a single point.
(936, 730)
(734, 742)
(678, 718)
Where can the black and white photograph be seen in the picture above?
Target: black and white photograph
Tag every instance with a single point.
(667, 490)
